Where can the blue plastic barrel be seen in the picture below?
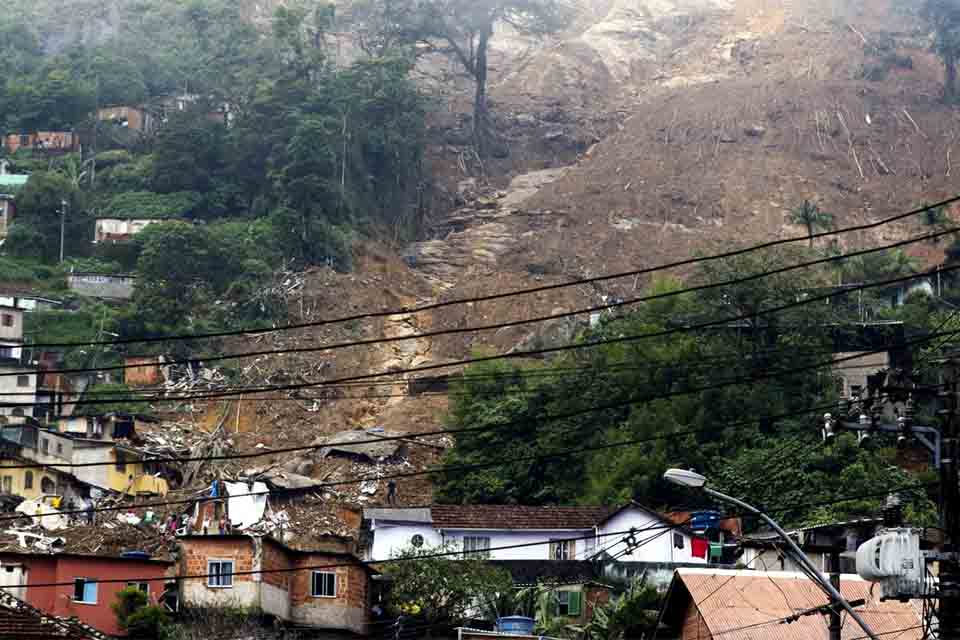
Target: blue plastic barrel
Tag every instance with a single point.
(520, 625)
(704, 520)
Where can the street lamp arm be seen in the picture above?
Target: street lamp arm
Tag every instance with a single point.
(799, 556)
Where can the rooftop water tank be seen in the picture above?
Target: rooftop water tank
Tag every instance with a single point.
(520, 625)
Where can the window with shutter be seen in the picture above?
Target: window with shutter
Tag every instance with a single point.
(573, 603)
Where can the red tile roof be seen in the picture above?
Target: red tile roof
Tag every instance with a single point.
(469, 516)
(747, 605)
(23, 625)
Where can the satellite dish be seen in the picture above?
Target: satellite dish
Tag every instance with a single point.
(417, 540)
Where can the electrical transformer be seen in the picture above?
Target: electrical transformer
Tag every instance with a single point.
(893, 559)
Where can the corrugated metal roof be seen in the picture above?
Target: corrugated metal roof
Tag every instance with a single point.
(398, 514)
(747, 605)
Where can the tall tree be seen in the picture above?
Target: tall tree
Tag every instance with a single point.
(461, 30)
(810, 215)
(944, 18)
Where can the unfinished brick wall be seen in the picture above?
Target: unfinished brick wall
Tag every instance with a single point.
(348, 610)
(275, 562)
(197, 553)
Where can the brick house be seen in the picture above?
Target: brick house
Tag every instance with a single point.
(78, 592)
(322, 590)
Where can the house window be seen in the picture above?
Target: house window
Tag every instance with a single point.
(59, 447)
(23, 381)
(28, 480)
(6, 352)
(142, 586)
(220, 573)
(323, 584)
(7, 484)
(121, 464)
(568, 603)
(561, 549)
(45, 445)
(84, 590)
(7, 319)
(476, 546)
(678, 540)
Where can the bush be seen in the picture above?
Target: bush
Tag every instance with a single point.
(136, 616)
(146, 204)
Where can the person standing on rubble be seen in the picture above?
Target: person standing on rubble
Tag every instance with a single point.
(392, 492)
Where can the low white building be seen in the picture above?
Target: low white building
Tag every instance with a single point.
(631, 533)
(120, 229)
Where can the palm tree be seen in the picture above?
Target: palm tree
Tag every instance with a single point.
(809, 215)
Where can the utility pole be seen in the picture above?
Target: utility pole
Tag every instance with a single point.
(836, 623)
(949, 609)
(63, 224)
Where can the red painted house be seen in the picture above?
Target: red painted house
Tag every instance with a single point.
(77, 592)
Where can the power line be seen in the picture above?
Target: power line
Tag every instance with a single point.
(546, 350)
(514, 323)
(668, 526)
(497, 296)
(753, 379)
(424, 556)
(148, 395)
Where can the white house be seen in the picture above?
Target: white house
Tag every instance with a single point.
(631, 533)
(120, 229)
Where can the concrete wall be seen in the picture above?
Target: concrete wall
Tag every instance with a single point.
(94, 285)
(772, 560)
(18, 479)
(348, 610)
(18, 388)
(853, 373)
(94, 476)
(390, 537)
(656, 544)
(523, 537)
(119, 229)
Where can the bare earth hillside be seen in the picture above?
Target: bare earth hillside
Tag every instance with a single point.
(730, 114)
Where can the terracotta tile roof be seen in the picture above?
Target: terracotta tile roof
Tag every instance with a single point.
(23, 625)
(740, 605)
(468, 516)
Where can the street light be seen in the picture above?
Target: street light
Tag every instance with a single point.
(694, 480)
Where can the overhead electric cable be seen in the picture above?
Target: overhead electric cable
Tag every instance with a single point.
(753, 379)
(543, 351)
(514, 323)
(508, 294)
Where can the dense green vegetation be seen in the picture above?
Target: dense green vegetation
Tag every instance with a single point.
(284, 156)
(671, 385)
